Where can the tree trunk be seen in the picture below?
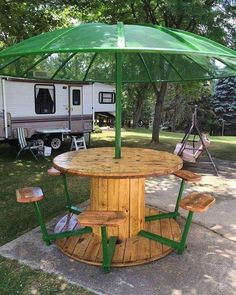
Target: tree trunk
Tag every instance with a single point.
(176, 107)
(137, 111)
(160, 95)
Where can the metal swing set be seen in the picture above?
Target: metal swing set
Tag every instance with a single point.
(191, 153)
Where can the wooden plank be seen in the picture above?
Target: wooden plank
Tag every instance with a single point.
(124, 207)
(131, 250)
(94, 193)
(155, 227)
(91, 252)
(94, 200)
(144, 249)
(102, 202)
(136, 206)
(176, 232)
(81, 245)
(119, 253)
(99, 256)
(113, 192)
(166, 232)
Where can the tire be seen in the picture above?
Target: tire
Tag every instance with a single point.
(55, 142)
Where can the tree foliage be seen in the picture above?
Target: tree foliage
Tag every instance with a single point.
(23, 19)
(224, 102)
(212, 18)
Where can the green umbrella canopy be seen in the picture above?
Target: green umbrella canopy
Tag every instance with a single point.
(118, 53)
(149, 54)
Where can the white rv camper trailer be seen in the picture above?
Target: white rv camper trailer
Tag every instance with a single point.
(50, 109)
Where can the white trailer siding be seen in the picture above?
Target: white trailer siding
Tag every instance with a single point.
(20, 103)
(98, 107)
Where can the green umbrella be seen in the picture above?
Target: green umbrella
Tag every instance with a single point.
(119, 54)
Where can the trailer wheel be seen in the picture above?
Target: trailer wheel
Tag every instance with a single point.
(55, 142)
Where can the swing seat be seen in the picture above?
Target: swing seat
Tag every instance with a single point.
(192, 153)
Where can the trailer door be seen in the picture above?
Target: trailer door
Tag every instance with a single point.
(76, 108)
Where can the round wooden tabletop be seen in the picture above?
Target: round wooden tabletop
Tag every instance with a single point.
(135, 162)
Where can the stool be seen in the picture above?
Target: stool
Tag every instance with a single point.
(104, 219)
(78, 143)
(186, 176)
(194, 202)
(72, 209)
(34, 195)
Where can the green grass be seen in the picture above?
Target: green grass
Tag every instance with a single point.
(220, 147)
(15, 218)
(19, 279)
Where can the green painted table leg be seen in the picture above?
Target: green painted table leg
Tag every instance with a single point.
(71, 209)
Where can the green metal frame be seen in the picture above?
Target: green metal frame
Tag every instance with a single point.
(118, 105)
(108, 249)
(48, 238)
(69, 206)
(173, 214)
(180, 246)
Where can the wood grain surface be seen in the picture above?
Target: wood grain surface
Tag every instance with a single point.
(128, 252)
(135, 162)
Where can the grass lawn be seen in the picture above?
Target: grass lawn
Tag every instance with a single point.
(220, 147)
(15, 219)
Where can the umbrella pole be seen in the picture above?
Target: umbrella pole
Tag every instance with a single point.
(118, 105)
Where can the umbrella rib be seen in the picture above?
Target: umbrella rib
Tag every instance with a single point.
(10, 62)
(145, 65)
(63, 64)
(232, 68)
(120, 35)
(220, 46)
(177, 37)
(203, 68)
(89, 67)
(172, 66)
(58, 37)
(36, 63)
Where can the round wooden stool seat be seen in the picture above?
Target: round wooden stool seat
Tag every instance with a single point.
(53, 172)
(197, 202)
(29, 194)
(188, 176)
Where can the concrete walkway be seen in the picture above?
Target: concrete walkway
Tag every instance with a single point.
(207, 267)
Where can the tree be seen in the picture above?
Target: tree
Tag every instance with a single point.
(136, 107)
(199, 16)
(224, 102)
(180, 98)
(23, 19)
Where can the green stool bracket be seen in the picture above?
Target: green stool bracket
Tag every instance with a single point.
(108, 249)
(180, 246)
(170, 214)
(48, 238)
(69, 207)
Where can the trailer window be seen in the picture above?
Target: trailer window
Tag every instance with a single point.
(76, 97)
(106, 97)
(45, 99)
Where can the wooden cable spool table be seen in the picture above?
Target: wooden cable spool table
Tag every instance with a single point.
(119, 185)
